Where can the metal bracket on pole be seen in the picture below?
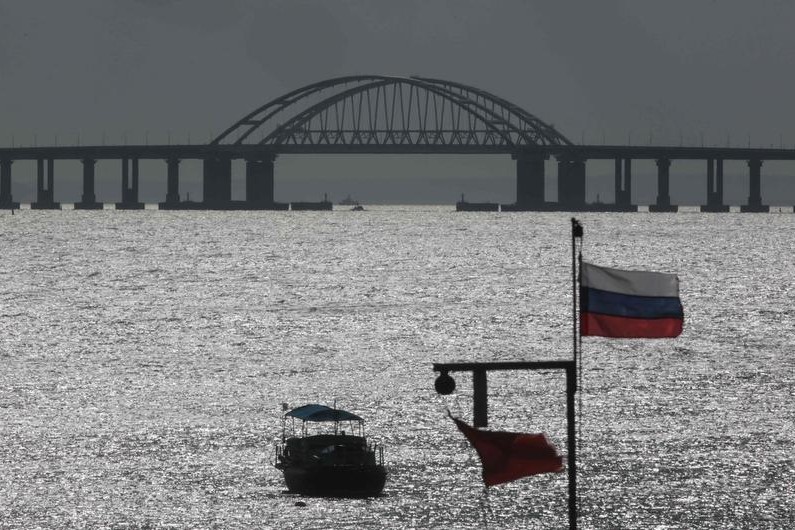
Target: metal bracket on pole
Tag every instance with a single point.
(445, 384)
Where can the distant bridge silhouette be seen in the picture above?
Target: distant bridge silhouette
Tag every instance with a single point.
(376, 114)
(386, 114)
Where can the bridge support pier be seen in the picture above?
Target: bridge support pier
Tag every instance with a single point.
(663, 203)
(623, 186)
(217, 183)
(129, 186)
(755, 188)
(172, 186)
(259, 184)
(529, 184)
(714, 187)
(45, 194)
(89, 200)
(6, 200)
(571, 185)
(529, 181)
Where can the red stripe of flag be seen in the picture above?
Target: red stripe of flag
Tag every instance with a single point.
(631, 328)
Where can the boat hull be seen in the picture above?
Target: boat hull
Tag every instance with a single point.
(336, 481)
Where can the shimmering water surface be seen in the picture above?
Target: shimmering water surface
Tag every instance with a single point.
(146, 357)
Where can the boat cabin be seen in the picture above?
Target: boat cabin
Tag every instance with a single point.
(329, 455)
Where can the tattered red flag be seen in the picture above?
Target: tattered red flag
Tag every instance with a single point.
(508, 456)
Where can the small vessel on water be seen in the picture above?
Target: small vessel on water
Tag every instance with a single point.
(329, 464)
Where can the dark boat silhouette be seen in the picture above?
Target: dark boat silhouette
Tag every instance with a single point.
(330, 464)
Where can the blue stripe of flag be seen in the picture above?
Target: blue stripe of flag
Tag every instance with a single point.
(624, 305)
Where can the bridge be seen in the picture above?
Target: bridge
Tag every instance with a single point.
(375, 114)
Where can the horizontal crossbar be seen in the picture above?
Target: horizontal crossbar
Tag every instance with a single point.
(507, 365)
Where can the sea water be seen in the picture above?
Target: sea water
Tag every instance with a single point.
(146, 357)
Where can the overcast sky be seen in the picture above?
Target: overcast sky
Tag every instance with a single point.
(672, 71)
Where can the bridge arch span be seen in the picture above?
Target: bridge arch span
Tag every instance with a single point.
(356, 112)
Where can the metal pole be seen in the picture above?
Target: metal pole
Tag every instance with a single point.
(571, 389)
(571, 380)
(574, 225)
(480, 401)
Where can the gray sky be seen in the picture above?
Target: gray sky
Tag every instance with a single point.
(618, 71)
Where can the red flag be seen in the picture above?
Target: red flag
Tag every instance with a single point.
(508, 456)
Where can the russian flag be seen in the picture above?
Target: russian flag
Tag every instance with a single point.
(629, 304)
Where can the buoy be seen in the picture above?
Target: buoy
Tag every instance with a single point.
(300, 503)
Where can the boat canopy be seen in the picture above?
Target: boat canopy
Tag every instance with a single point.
(314, 412)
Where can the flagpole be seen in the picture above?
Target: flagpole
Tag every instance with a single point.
(571, 382)
(576, 231)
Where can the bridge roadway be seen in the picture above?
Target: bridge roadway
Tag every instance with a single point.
(260, 164)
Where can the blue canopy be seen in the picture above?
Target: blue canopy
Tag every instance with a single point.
(315, 412)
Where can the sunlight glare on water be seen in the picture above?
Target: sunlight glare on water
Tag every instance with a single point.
(146, 356)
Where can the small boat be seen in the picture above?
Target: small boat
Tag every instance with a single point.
(329, 464)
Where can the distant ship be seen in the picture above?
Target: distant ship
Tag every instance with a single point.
(348, 201)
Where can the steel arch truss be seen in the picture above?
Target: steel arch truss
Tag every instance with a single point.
(399, 112)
